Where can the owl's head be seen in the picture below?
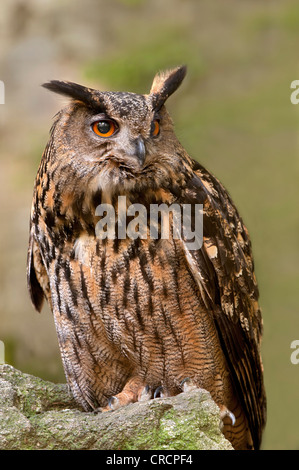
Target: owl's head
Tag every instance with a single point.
(112, 138)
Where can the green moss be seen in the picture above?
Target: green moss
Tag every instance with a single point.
(35, 414)
(170, 428)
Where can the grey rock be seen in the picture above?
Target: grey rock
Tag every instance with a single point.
(36, 414)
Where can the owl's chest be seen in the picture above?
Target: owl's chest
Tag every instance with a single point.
(134, 285)
(133, 299)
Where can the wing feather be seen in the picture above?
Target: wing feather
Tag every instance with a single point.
(224, 270)
(36, 274)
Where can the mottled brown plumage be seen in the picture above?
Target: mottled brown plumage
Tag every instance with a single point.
(135, 316)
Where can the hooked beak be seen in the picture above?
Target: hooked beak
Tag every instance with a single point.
(140, 150)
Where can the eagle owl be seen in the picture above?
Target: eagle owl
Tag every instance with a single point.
(141, 317)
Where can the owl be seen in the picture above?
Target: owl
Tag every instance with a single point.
(141, 317)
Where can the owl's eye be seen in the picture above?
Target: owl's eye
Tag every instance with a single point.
(155, 128)
(104, 128)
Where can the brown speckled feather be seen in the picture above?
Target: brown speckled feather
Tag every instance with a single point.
(134, 316)
(226, 258)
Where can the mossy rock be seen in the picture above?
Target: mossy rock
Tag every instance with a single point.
(36, 414)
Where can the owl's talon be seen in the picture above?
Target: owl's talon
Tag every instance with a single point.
(97, 410)
(159, 392)
(187, 385)
(232, 417)
(113, 403)
(225, 412)
(146, 394)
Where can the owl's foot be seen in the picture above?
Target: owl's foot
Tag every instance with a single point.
(162, 392)
(187, 385)
(133, 391)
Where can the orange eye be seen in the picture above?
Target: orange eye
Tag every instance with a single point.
(155, 128)
(104, 128)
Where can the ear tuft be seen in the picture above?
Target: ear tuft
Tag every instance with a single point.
(81, 93)
(166, 83)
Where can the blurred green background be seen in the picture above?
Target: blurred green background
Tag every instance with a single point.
(233, 114)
